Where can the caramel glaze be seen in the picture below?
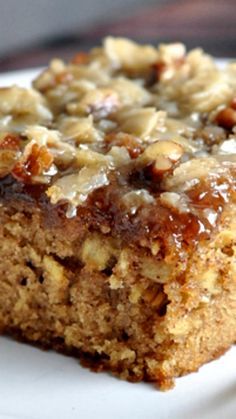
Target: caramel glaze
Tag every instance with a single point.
(104, 211)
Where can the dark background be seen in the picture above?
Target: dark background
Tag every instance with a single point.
(210, 24)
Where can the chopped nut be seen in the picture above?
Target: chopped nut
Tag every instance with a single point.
(171, 57)
(209, 280)
(56, 282)
(35, 161)
(130, 142)
(97, 252)
(226, 118)
(155, 247)
(163, 71)
(63, 153)
(119, 155)
(169, 149)
(162, 164)
(159, 300)
(163, 154)
(155, 73)
(154, 296)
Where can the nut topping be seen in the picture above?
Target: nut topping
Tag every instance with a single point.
(169, 149)
(35, 162)
(226, 118)
(157, 157)
(163, 155)
(10, 142)
(162, 164)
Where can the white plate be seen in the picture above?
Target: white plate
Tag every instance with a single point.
(44, 385)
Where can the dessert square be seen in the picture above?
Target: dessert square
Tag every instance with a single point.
(117, 209)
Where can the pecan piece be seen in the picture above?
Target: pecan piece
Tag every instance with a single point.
(162, 155)
(155, 297)
(162, 164)
(226, 118)
(165, 148)
(132, 144)
(34, 162)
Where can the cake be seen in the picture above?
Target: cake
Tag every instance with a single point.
(118, 209)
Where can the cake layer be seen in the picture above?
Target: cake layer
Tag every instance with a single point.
(117, 306)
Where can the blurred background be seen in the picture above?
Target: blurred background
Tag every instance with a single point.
(32, 32)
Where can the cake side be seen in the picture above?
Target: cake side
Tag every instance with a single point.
(121, 308)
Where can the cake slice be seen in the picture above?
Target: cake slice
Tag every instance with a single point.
(117, 210)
